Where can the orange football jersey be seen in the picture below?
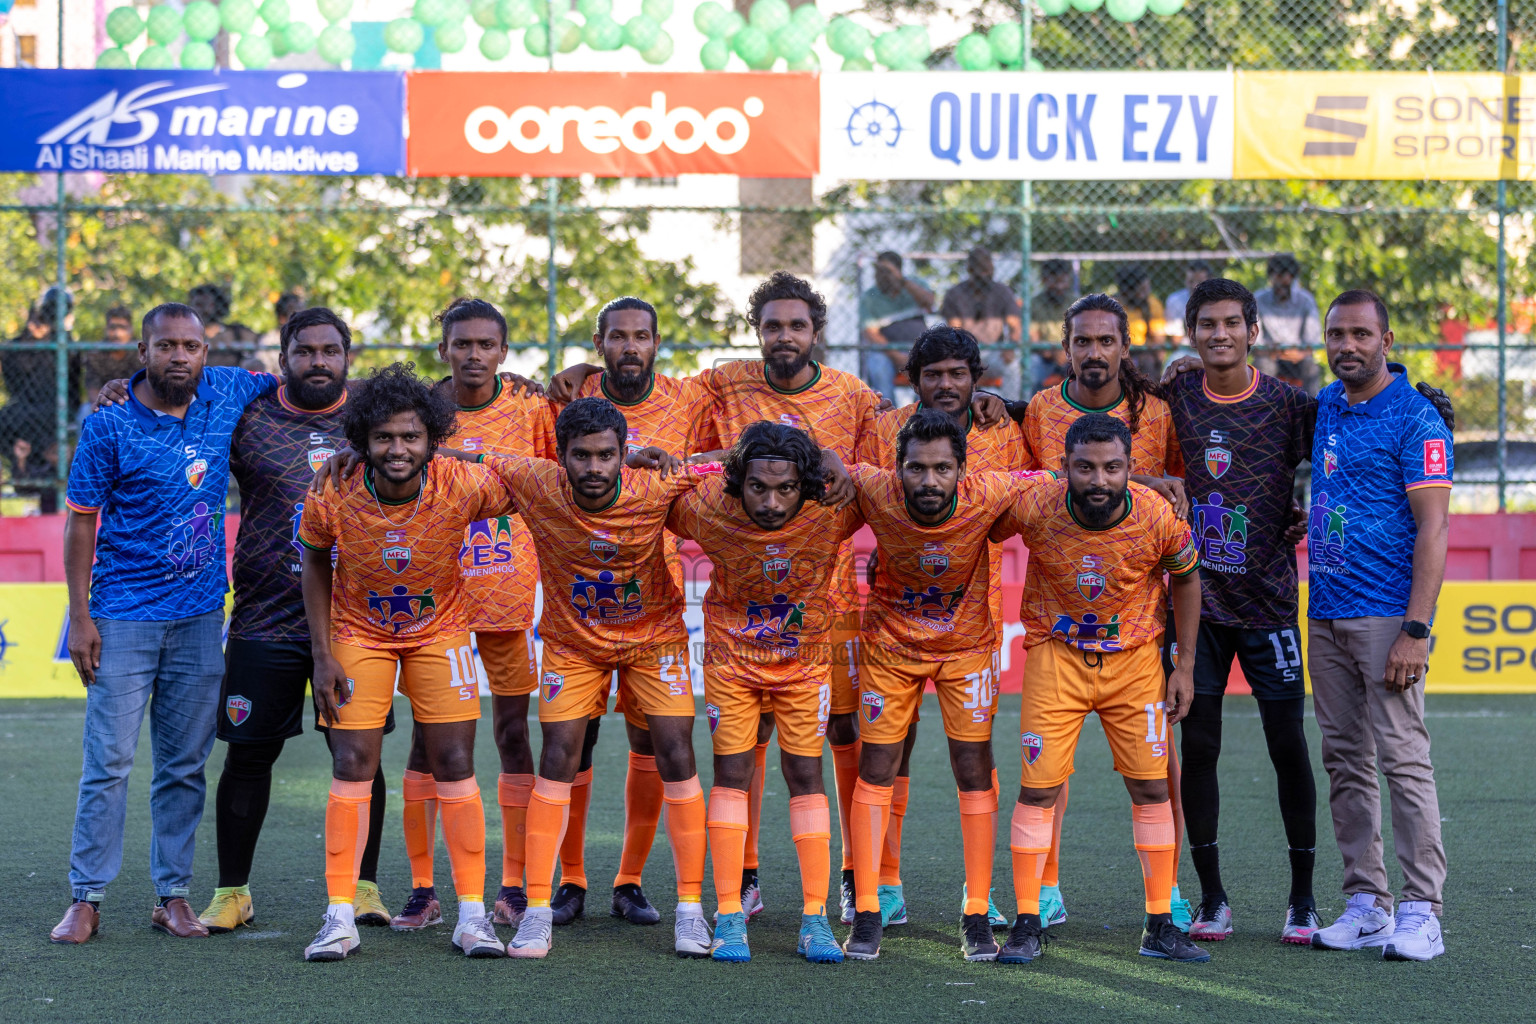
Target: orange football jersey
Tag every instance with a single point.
(932, 598)
(397, 582)
(607, 588)
(1096, 589)
(766, 612)
(835, 408)
(497, 557)
(1154, 445)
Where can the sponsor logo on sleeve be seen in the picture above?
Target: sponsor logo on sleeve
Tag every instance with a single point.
(1434, 457)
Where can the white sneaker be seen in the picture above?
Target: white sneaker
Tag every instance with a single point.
(1362, 925)
(689, 932)
(1416, 935)
(336, 939)
(534, 934)
(477, 938)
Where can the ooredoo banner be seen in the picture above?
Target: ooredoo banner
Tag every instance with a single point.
(612, 124)
(1050, 125)
(203, 122)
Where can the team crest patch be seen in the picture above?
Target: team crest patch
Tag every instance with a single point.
(874, 705)
(712, 713)
(1090, 585)
(196, 470)
(1330, 462)
(1032, 744)
(603, 550)
(933, 563)
(397, 559)
(776, 569)
(319, 456)
(238, 709)
(1217, 461)
(552, 683)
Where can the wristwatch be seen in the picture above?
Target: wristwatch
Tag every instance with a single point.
(1417, 630)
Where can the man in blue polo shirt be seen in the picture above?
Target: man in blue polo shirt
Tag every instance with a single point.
(145, 623)
(1376, 535)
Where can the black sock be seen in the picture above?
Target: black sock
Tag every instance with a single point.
(1201, 748)
(1287, 742)
(240, 807)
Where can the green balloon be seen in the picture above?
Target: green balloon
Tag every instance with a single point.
(163, 24)
(200, 21)
(275, 13)
(603, 34)
(1087, 5)
(810, 63)
(706, 15)
(568, 35)
(592, 9)
(236, 15)
(278, 40)
(768, 16)
(1165, 7)
(114, 58)
(1053, 8)
(155, 58)
(1125, 10)
(336, 44)
(751, 44)
(254, 51)
(485, 14)
(657, 10)
(857, 64)
(1007, 40)
(973, 52)
(403, 35)
(889, 49)
(535, 41)
(809, 18)
(458, 10)
(450, 38)
(197, 56)
(660, 51)
(1034, 65)
(431, 13)
(300, 37)
(848, 38)
(714, 55)
(641, 32)
(124, 25)
(334, 10)
(793, 43)
(729, 25)
(514, 14)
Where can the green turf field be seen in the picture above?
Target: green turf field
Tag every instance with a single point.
(602, 969)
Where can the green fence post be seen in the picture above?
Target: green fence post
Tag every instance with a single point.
(61, 357)
(1026, 228)
(1503, 272)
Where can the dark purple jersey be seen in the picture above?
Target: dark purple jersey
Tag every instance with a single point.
(276, 449)
(1240, 458)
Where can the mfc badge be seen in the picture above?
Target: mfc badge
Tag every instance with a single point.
(238, 708)
(397, 559)
(1217, 461)
(603, 549)
(1032, 744)
(712, 713)
(552, 684)
(1090, 582)
(933, 560)
(196, 470)
(776, 563)
(874, 705)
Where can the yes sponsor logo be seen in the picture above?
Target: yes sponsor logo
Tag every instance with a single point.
(1031, 744)
(874, 705)
(776, 623)
(1434, 457)
(487, 547)
(934, 605)
(193, 539)
(1221, 532)
(401, 611)
(238, 709)
(1325, 533)
(1090, 633)
(606, 598)
(550, 684)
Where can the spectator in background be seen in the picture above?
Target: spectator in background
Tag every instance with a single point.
(228, 344)
(1195, 273)
(1047, 311)
(121, 363)
(270, 345)
(990, 311)
(1144, 316)
(1290, 329)
(31, 376)
(891, 313)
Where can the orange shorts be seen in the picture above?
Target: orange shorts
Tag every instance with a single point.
(893, 691)
(509, 660)
(439, 679)
(1062, 684)
(733, 706)
(652, 681)
(845, 670)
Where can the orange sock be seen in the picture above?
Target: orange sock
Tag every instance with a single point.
(755, 805)
(1053, 859)
(845, 770)
(1152, 829)
(346, 833)
(727, 823)
(573, 848)
(890, 857)
(978, 835)
(548, 810)
(420, 814)
(513, 793)
(810, 825)
(643, 797)
(464, 834)
(687, 831)
(868, 827)
(1030, 841)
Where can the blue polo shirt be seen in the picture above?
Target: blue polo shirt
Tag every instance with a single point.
(1366, 457)
(159, 484)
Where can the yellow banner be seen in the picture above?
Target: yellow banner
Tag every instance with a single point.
(1387, 125)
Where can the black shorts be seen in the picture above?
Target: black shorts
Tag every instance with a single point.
(1271, 660)
(265, 693)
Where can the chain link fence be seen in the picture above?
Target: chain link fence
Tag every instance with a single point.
(1452, 259)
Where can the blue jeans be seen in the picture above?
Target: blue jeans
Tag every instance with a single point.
(879, 373)
(173, 669)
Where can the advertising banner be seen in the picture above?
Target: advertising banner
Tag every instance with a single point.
(1051, 125)
(203, 122)
(1420, 126)
(611, 124)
